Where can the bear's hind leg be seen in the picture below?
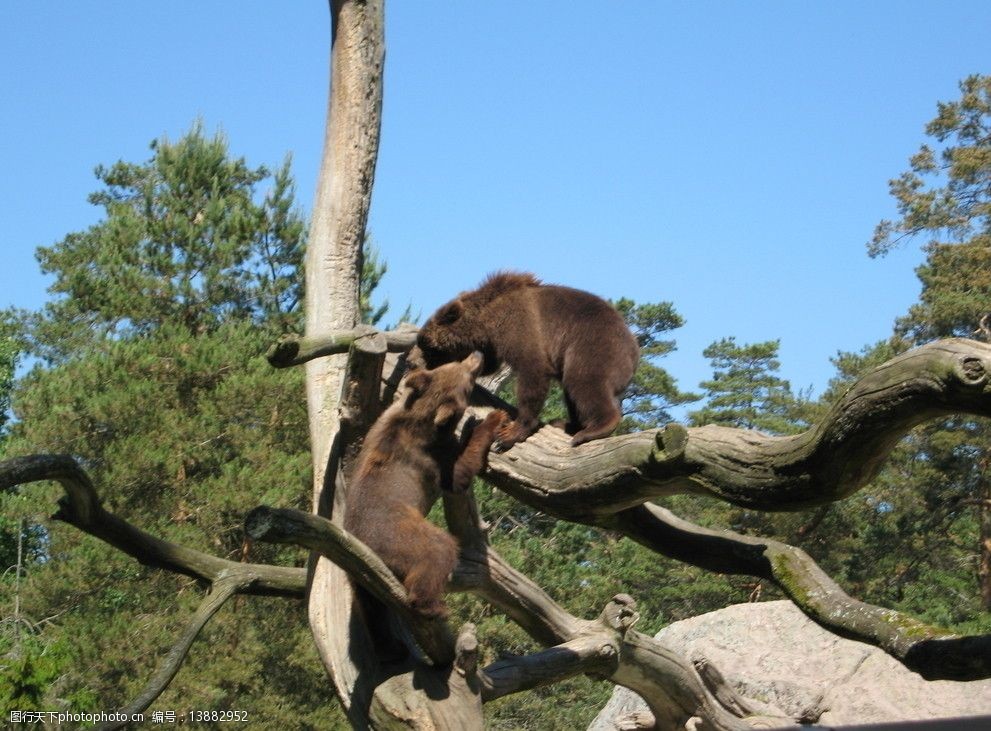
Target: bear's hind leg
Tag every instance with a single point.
(597, 409)
(434, 555)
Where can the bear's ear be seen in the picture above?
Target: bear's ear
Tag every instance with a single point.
(450, 313)
(474, 363)
(418, 381)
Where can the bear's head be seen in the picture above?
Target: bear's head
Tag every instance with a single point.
(441, 395)
(448, 335)
(465, 323)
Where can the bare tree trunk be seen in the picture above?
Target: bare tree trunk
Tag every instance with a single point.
(333, 270)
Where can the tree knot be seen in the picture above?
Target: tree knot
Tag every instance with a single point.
(669, 444)
(284, 351)
(971, 371)
(620, 613)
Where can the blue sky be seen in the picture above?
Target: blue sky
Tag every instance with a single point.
(730, 157)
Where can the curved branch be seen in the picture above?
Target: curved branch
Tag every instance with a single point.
(275, 525)
(668, 682)
(671, 686)
(748, 468)
(934, 653)
(81, 508)
(595, 650)
(223, 589)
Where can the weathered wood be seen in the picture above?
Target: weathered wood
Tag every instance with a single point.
(293, 350)
(747, 468)
(81, 508)
(668, 682)
(285, 525)
(933, 652)
(333, 271)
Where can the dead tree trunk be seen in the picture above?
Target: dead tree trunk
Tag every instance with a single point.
(333, 271)
(343, 392)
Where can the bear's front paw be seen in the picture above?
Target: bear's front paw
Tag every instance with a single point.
(509, 434)
(495, 420)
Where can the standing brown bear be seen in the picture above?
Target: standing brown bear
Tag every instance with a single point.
(542, 331)
(409, 455)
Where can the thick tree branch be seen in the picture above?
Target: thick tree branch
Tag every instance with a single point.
(593, 653)
(81, 508)
(748, 468)
(605, 482)
(826, 463)
(668, 682)
(275, 525)
(333, 273)
(933, 652)
(292, 350)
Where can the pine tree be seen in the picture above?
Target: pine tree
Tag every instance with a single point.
(744, 390)
(186, 241)
(653, 390)
(153, 377)
(945, 198)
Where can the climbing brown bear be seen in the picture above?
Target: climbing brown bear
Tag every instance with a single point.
(542, 331)
(409, 455)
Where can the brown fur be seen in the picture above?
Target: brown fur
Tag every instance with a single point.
(542, 331)
(409, 455)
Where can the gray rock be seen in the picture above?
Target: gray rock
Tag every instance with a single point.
(786, 665)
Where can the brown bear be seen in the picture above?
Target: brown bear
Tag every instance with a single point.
(542, 331)
(409, 455)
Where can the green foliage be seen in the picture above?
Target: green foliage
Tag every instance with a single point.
(12, 527)
(960, 208)
(956, 291)
(907, 539)
(9, 351)
(153, 378)
(29, 669)
(944, 528)
(745, 392)
(653, 390)
(184, 241)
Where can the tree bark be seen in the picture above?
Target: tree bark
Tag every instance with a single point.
(828, 462)
(333, 269)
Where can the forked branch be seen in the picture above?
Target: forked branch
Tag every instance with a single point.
(275, 525)
(220, 591)
(80, 507)
(606, 646)
(607, 482)
(826, 463)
